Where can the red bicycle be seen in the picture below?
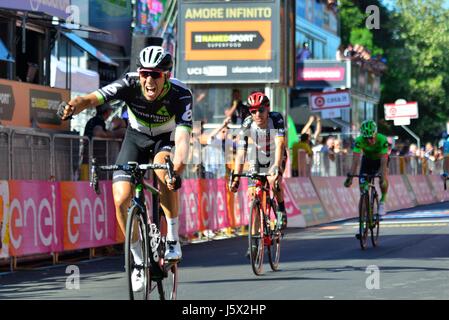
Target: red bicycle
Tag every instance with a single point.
(264, 225)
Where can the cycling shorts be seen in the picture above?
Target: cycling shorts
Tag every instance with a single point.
(140, 148)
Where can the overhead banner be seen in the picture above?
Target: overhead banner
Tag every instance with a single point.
(229, 42)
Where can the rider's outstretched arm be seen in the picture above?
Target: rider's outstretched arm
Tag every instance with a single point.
(355, 162)
(80, 103)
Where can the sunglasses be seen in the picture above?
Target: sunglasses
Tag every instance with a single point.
(254, 111)
(150, 73)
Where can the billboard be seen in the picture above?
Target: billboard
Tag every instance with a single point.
(26, 105)
(323, 74)
(60, 8)
(228, 42)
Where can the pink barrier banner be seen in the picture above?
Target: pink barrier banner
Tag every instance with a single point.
(404, 196)
(337, 200)
(34, 218)
(436, 183)
(241, 204)
(292, 208)
(4, 219)
(189, 209)
(88, 219)
(207, 187)
(422, 189)
(222, 220)
(349, 200)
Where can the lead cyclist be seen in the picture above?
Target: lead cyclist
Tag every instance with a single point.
(158, 106)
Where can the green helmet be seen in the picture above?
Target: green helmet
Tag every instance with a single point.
(368, 128)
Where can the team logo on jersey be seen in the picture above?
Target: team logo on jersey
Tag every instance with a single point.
(163, 111)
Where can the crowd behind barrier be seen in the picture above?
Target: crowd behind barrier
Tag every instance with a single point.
(45, 209)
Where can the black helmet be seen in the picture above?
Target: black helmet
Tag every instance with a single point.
(155, 57)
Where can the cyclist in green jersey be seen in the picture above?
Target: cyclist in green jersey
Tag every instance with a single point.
(374, 146)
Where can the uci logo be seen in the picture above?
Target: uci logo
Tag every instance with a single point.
(194, 71)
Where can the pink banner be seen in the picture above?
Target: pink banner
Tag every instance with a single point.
(34, 218)
(4, 219)
(222, 210)
(338, 201)
(405, 197)
(422, 189)
(189, 209)
(241, 204)
(437, 186)
(89, 219)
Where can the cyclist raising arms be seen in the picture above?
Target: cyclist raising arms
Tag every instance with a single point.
(158, 108)
(267, 132)
(375, 158)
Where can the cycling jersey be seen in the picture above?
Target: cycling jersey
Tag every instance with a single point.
(263, 143)
(171, 109)
(373, 152)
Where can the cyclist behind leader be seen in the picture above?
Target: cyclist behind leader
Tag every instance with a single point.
(374, 146)
(157, 107)
(268, 153)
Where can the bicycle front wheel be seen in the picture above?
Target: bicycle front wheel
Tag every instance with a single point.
(255, 238)
(363, 220)
(274, 249)
(136, 230)
(374, 219)
(168, 285)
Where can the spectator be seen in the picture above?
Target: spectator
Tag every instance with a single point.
(308, 129)
(214, 152)
(303, 144)
(339, 55)
(349, 52)
(304, 53)
(237, 111)
(328, 157)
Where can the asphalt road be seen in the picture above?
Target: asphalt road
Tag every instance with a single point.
(323, 262)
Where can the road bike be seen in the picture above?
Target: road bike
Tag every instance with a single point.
(368, 210)
(264, 228)
(160, 277)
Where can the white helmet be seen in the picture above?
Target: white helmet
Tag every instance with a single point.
(155, 57)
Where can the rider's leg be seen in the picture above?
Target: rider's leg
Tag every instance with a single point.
(279, 195)
(123, 193)
(170, 205)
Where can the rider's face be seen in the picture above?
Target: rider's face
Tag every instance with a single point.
(260, 116)
(152, 82)
(371, 140)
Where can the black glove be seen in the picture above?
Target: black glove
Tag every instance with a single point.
(178, 181)
(61, 109)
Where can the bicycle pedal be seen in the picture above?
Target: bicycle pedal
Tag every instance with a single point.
(357, 236)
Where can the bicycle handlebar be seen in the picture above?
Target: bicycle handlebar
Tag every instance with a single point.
(130, 167)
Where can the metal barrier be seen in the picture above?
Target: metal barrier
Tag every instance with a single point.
(31, 155)
(68, 155)
(105, 152)
(5, 152)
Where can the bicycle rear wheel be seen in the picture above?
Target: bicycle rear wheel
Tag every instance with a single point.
(363, 220)
(274, 249)
(136, 229)
(255, 237)
(375, 219)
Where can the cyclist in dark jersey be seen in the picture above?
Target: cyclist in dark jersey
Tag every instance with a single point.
(264, 132)
(160, 117)
(374, 146)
